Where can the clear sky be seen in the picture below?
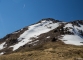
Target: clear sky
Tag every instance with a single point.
(16, 14)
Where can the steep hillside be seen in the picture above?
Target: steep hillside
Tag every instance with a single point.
(37, 35)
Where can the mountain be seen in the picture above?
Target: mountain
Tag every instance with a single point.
(42, 32)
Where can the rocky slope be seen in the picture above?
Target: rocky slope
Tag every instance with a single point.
(38, 34)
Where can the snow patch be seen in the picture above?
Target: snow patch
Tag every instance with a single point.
(2, 53)
(2, 45)
(48, 37)
(33, 42)
(72, 39)
(68, 25)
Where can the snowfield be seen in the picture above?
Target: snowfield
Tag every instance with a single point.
(34, 31)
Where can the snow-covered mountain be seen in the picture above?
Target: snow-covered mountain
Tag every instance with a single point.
(41, 32)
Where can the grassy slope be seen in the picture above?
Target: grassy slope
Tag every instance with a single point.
(49, 51)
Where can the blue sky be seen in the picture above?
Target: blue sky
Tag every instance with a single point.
(16, 14)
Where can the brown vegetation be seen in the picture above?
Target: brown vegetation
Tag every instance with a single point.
(50, 51)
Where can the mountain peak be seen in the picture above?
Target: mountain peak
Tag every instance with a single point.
(49, 19)
(47, 29)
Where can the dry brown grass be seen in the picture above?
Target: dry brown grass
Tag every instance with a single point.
(50, 51)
